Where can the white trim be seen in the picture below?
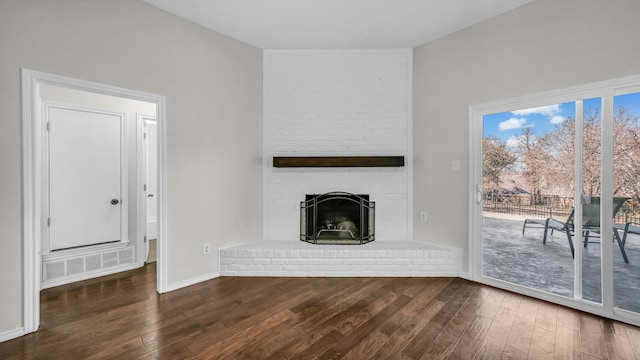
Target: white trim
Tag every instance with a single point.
(32, 208)
(32, 181)
(408, 163)
(192, 281)
(11, 334)
(141, 212)
(606, 207)
(577, 198)
(162, 239)
(558, 96)
(575, 94)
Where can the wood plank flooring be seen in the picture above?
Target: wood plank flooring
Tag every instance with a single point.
(122, 317)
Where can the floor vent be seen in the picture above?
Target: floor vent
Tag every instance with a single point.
(58, 271)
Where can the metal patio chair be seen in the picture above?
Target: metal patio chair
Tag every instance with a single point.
(590, 223)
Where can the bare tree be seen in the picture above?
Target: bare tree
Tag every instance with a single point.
(626, 156)
(496, 158)
(533, 155)
(559, 150)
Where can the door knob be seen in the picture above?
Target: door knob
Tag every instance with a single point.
(114, 201)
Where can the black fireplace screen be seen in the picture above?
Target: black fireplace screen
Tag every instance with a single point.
(337, 218)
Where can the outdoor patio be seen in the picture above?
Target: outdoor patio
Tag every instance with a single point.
(511, 256)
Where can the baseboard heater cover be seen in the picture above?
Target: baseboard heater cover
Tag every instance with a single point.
(337, 161)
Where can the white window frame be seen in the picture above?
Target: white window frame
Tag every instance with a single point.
(605, 90)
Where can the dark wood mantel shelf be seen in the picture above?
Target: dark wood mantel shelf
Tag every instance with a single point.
(337, 161)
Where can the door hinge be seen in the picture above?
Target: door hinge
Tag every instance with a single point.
(49, 222)
(145, 187)
(48, 125)
(145, 238)
(144, 136)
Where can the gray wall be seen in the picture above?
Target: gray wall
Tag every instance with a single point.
(544, 45)
(213, 87)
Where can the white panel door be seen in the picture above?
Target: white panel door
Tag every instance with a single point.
(85, 194)
(152, 179)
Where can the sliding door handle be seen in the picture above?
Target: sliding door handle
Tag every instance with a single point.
(479, 194)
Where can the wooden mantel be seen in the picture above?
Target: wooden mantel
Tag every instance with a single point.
(337, 161)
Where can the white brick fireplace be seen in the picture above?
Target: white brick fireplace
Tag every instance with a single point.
(338, 103)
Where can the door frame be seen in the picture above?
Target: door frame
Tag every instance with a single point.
(33, 171)
(601, 89)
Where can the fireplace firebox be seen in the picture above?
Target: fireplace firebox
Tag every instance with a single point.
(337, 218)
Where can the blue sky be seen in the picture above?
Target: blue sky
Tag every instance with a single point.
(508, 125)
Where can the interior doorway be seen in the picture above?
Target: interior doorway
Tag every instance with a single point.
(40, 258)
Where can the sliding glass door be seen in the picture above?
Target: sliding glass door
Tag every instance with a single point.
(626, 182)
(556, 184)
(528, 162)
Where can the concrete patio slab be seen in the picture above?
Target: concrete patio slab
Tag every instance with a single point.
(522, 259)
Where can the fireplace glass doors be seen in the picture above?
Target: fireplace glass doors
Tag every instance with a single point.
(337, 218)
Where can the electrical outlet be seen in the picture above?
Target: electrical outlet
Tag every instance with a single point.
(206, 249)
(423, 216)
(455, 165)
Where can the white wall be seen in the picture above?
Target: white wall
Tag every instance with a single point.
(544, 45)
(213, 88)
(336, 103)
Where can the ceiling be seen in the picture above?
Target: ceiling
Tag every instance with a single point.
(336, 24)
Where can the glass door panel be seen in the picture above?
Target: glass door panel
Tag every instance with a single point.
(590, 202)
(626, 180)
(528, 165)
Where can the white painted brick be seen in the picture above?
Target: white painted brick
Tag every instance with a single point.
(275, 269)
(261, 261)
(307, 267)
(234, 267)
(397, 259)
(244, 261)
(226, 261)
(353, 102)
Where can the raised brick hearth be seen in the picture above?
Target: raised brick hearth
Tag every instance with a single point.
(297, 258)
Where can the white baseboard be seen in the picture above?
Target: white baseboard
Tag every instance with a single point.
(192, 281)
(11, 334)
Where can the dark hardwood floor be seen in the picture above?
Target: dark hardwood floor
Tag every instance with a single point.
(121, 317)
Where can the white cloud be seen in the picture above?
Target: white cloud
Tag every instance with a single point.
(549, 110)
(513, 123)
(513, 142)
(516, 140)
(557, 119)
